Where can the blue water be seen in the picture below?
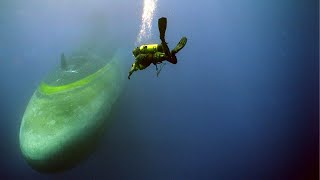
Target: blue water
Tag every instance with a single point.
(242, 102)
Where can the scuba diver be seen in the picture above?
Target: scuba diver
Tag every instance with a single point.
(156, 53)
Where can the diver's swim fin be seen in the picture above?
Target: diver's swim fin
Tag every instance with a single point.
(162, 24)
(63, 62)
(180, 45)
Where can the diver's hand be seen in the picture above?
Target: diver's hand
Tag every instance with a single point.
(130, 73)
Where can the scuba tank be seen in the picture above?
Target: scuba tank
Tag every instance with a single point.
(150, 48)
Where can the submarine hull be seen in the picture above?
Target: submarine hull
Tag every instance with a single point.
(63, 124)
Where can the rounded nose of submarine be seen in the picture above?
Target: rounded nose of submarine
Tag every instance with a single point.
(65, 119)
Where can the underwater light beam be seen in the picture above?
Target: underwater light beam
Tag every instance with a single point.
(149, 7)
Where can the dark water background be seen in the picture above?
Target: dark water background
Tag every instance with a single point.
(242, 102)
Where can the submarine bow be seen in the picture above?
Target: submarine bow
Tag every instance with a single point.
(68, 112)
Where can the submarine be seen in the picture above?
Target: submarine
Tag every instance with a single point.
(68, 112)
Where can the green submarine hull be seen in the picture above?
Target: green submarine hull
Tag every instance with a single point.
(63, 123)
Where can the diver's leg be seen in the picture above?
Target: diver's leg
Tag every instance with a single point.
(172, 59)
(180, 45)
(162, 24)
(166, 49)
(172, 56)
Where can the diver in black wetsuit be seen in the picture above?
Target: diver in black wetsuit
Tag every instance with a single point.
(156, 53)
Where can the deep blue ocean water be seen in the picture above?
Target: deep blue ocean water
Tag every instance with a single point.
(242, 102)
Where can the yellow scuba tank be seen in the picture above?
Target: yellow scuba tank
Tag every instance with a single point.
(150, 48)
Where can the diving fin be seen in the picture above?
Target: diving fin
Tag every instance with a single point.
(63, 62)
(180, 45)
(162, 25)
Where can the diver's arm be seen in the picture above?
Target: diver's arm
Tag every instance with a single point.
(133, 68)
(135, 65)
